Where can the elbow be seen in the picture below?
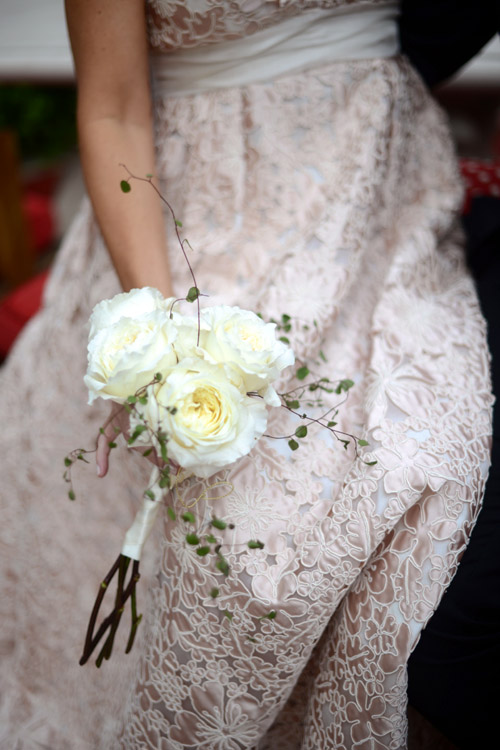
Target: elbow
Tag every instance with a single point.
(127, 109)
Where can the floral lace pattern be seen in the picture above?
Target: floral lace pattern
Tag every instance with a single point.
(331, 196)
(174, 24)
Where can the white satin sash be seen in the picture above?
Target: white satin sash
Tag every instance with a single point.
(312, 39)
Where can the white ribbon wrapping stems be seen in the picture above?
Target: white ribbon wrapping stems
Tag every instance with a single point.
(137, 534)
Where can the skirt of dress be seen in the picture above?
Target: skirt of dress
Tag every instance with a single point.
(330, 196)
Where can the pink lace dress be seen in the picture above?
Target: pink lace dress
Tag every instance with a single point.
(329, 194)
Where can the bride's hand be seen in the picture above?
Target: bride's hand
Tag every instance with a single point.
(116, 423)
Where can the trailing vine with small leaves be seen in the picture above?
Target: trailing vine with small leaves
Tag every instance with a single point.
(309, 393)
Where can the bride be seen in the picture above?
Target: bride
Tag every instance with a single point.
(314, 176)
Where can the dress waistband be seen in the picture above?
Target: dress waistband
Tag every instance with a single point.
(295, 44)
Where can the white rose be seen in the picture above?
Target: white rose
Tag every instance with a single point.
(209, 423)
(126, 355)
(131, 304)
(249, 345)
(188, 342)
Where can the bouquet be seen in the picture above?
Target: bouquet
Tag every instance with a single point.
(206, 386)
(197, 390)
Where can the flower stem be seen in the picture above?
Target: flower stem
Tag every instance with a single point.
(112, 621)
(181, 242)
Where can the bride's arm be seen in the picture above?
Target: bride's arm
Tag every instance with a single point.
(115, 126)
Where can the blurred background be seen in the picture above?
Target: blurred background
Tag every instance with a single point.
(41, 185)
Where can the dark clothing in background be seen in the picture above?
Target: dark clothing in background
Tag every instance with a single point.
(454, 672)
(442, 35)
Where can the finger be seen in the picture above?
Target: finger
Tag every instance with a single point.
(107, 436)
(102, 453)
(101, 456)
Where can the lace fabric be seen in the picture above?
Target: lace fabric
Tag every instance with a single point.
(310, 40)
(330, 195)
(178, 25)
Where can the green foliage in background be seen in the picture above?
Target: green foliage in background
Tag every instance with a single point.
(42, 116)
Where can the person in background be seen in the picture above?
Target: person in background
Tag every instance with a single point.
(315, 177)
(453, 672)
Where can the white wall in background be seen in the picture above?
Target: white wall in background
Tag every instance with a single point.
(34, 43)
(484, 69)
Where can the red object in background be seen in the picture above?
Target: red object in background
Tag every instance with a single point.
(38, 192)
(18, 307)
(21, 304)
(480, 177)
(38, 213)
